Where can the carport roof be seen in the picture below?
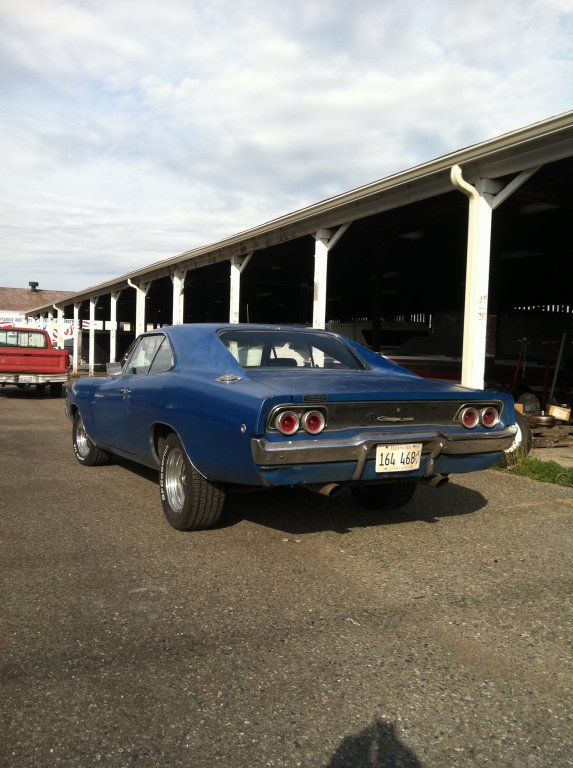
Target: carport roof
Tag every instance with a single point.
(529, 147)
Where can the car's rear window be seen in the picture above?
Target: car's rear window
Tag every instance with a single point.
(289, 349)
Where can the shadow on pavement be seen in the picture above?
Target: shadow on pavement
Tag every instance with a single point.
(377, 746)
(298, 511)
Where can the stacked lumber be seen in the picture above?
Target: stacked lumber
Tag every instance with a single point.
(549, 435)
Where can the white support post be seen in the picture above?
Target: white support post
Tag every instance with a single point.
(238, 264)
(91, 352)
(483, 198)
(477, 280)
(59, 327)
(50, 326)
(178, 280)
(325, 239)
(140, 294)
(113, 326)
(320, 274)
(75, 355)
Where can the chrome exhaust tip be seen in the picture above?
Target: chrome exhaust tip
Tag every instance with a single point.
(434, 481)
(330, 489)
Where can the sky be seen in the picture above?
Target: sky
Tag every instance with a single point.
(134, 130)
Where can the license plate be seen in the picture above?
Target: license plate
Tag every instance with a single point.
(398, 458)
(26, 379)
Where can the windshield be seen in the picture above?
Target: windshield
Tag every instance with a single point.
(289, 349)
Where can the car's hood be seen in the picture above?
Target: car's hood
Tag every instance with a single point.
(357, 385)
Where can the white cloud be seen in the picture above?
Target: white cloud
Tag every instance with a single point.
(134, 131)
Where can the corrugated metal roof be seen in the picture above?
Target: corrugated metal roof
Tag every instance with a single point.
(534, 145)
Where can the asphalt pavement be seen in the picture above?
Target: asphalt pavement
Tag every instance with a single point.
(302, 631)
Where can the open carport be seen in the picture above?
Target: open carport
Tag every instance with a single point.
(472, 246)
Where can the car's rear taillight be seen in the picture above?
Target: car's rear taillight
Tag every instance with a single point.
(287, 422)
(297, 418)
(469, 417)
(313, 422)
(489, 416)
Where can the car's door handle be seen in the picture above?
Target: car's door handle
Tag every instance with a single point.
(124, 391)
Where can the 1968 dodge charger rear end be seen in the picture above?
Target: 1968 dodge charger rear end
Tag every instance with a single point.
(214, 407)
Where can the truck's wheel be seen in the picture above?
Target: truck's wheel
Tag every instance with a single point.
(56, 389)
(385, 496)
(190, 502)
(86, 452)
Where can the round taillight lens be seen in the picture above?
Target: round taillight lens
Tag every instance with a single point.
(287, 422)
(313, 422)
(489, 417)
(469, 417)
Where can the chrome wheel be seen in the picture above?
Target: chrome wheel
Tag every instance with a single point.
(190, 502)
(176, 480)
(83, 443)
(86, 451)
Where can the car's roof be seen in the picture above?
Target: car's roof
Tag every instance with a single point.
(198, 344)
(213, 327)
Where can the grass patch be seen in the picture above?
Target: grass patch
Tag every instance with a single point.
(543, 471)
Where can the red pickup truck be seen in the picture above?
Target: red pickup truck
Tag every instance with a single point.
(27, 358)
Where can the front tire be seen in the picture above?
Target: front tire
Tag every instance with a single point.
(86, 452)
(385, 496)
(190, 502)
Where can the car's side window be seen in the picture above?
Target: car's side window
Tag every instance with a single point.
(163, 360)
(142, 355)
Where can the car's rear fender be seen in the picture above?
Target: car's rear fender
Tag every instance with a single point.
(215, 426)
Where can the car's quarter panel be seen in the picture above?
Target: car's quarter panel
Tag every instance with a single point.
(215, 421)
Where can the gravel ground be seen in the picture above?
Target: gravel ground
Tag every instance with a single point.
(301, 632)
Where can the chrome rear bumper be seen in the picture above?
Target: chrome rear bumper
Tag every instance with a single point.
(362, 447)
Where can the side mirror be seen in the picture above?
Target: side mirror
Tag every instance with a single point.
(113, 369)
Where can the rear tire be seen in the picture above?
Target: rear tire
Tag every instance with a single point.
(190, 502)
(385, 496)
(56, 389)
(86, 452)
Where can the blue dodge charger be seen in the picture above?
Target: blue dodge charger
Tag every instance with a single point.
(215, 407)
